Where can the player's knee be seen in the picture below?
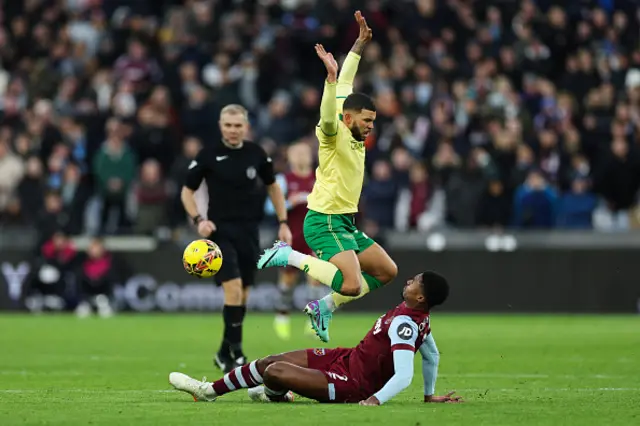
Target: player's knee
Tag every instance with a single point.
(274, 372)
(389, 272)
(263, 363)
(351, 287)
(233, 292)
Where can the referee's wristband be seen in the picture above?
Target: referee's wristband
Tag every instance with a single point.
(197, 219)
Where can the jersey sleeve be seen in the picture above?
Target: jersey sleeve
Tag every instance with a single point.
(345, 79)
(430, 362)
(265, 169)
(403, 333)
(196, 171)
(327, 128)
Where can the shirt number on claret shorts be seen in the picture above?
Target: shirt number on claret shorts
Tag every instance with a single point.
(335, 376)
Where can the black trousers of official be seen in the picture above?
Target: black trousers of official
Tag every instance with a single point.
(240, 246)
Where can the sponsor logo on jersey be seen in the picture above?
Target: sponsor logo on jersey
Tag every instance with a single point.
(404, 331)
(357, 145)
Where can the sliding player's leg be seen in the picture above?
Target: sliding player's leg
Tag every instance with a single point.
(246, 376)
(378, 269)
(282, 377)
(324, 378)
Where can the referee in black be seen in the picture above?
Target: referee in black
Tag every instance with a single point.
(232, 170)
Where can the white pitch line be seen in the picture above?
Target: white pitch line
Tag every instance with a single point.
(489, 390)
(450, 375)
(530, 376)
(156, 391)
(89, 391)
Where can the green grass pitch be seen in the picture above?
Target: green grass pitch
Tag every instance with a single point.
(512, 370)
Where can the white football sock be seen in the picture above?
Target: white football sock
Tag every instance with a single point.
(296, 258)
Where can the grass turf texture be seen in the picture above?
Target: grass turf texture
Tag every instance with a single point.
(512, 370)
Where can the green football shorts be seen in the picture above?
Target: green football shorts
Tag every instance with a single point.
(330, 234)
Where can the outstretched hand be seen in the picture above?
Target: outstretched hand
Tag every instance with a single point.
(365, 32)
(329, 62)
(371, 401)
(446, 398)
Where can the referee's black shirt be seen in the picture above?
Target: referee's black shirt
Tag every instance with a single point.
(235, 179)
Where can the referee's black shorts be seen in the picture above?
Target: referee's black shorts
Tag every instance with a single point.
(240, 246)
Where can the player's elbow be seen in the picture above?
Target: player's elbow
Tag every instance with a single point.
(433, 358)
(186, 193)
(329, 126)
(404, 381)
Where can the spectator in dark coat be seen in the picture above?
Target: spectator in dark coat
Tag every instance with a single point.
(535, 203)
(575, 208)
(619, 179)
(494, 209)
(47, 282)
(380, 195)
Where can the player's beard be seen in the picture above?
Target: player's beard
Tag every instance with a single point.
(357, 133)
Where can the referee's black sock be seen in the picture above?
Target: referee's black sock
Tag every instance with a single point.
(233, 317)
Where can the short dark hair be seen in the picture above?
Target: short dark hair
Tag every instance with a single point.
(435, 288)
(359, 101)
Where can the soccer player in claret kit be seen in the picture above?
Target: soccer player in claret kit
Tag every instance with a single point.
(347, 260)
(372, 373)
(296, 185)
(235, 172)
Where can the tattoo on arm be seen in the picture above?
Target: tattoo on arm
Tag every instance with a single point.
(358, 47)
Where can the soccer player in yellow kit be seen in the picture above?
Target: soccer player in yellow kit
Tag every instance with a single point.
(347, 260)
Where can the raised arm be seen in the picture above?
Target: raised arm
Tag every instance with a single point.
(350, 66)
(328, 107)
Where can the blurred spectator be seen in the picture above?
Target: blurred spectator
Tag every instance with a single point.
(494, 208)
(464, 189)
(114, 168)
(177, 176)
(11, 172)
(96, 281)
(618, 181)
(155, 136)
(575, 208)
(535, 203)
(53, 218)
(49, 273)
(151, 198)
(421, 205)
(75, 194)
(137, 68)
(31, 189)
(380, 195)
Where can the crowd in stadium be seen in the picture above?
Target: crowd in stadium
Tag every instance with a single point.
(497, 114)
